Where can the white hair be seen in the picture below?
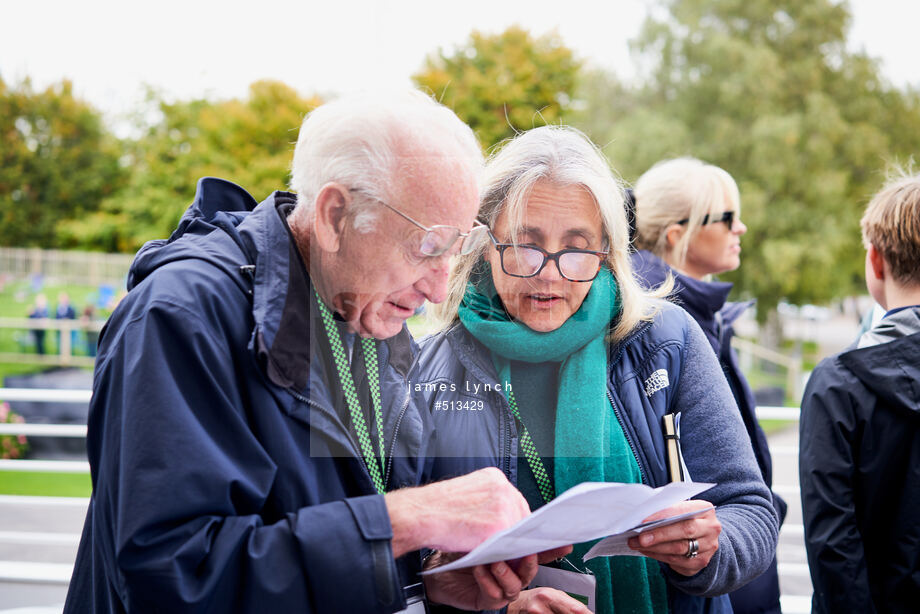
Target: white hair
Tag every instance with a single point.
(675, 190)
(562, 156)
(356, 141)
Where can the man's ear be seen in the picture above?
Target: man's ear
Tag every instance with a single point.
(877, 261)
(330, 217)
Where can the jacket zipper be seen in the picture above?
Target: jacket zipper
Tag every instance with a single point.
(628, 440)
(507, 419)
(402, 412)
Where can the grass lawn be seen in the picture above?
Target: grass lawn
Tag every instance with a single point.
(37, 483)
(774, 426)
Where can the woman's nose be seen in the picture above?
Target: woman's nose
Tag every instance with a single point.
(550, 271)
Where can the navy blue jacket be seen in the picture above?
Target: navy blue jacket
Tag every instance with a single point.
(478, 430)
(224, 478)
(707, 302)
(859, 464)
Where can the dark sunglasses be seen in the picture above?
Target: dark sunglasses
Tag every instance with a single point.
(726, 217)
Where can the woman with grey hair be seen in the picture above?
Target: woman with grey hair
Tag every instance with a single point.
(688, 223)
(554, 366)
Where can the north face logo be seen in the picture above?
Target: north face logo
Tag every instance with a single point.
(656, 382)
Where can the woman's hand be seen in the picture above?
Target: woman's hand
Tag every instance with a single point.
(546, 601)
(672, 544)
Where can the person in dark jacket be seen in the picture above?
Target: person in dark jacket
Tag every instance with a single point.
(65, 311)
(252, 431)
(688, 228)
(555, 367)
(859, 454)
(39, 311)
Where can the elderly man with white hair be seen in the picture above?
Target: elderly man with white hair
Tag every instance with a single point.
(254, 438)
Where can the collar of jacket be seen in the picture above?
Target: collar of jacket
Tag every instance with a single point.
(701, 299)
(283, 300)
(888, 367)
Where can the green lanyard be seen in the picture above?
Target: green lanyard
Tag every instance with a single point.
(530, 453)
(538, 470)
(374, 467)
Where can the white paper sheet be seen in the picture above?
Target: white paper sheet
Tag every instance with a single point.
(584, 512)
(616, 545)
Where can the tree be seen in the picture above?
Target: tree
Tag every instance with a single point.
(769, 91)
(501, 84)
(57, 162)
(247, 141)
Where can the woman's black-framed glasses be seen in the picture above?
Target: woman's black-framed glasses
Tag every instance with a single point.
(439, 238)
(528, 260)
(726, 217)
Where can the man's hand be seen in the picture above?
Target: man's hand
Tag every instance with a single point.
(670, 544)
(546, 600)
(454, 515)
(483, 587)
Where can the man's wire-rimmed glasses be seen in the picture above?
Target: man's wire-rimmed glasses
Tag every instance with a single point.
(528, 260)
(439, 238)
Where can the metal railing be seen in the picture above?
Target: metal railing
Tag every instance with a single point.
(748, 350)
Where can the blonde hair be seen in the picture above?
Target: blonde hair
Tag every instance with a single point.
(675, 190)
(892, 224)
(565, 157)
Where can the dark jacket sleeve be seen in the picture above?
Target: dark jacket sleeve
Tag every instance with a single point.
(828, 428)
(716, 449)
(181, 481)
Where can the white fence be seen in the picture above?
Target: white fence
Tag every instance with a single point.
(44, 430)
(66, 335)
(92, 268)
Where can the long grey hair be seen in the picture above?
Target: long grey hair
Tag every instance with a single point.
(562, 156)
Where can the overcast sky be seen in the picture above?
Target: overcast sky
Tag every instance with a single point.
(110, 48)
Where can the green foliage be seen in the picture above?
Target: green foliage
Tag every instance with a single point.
(57, 162)
(768, 91)
(249, 142)
(501, 84)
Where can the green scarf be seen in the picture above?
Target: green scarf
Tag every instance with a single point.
(589, 442)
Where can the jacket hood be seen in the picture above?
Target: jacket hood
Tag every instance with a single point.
(701, 299)
(255, 250)
(886, 361)
(217, 204)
